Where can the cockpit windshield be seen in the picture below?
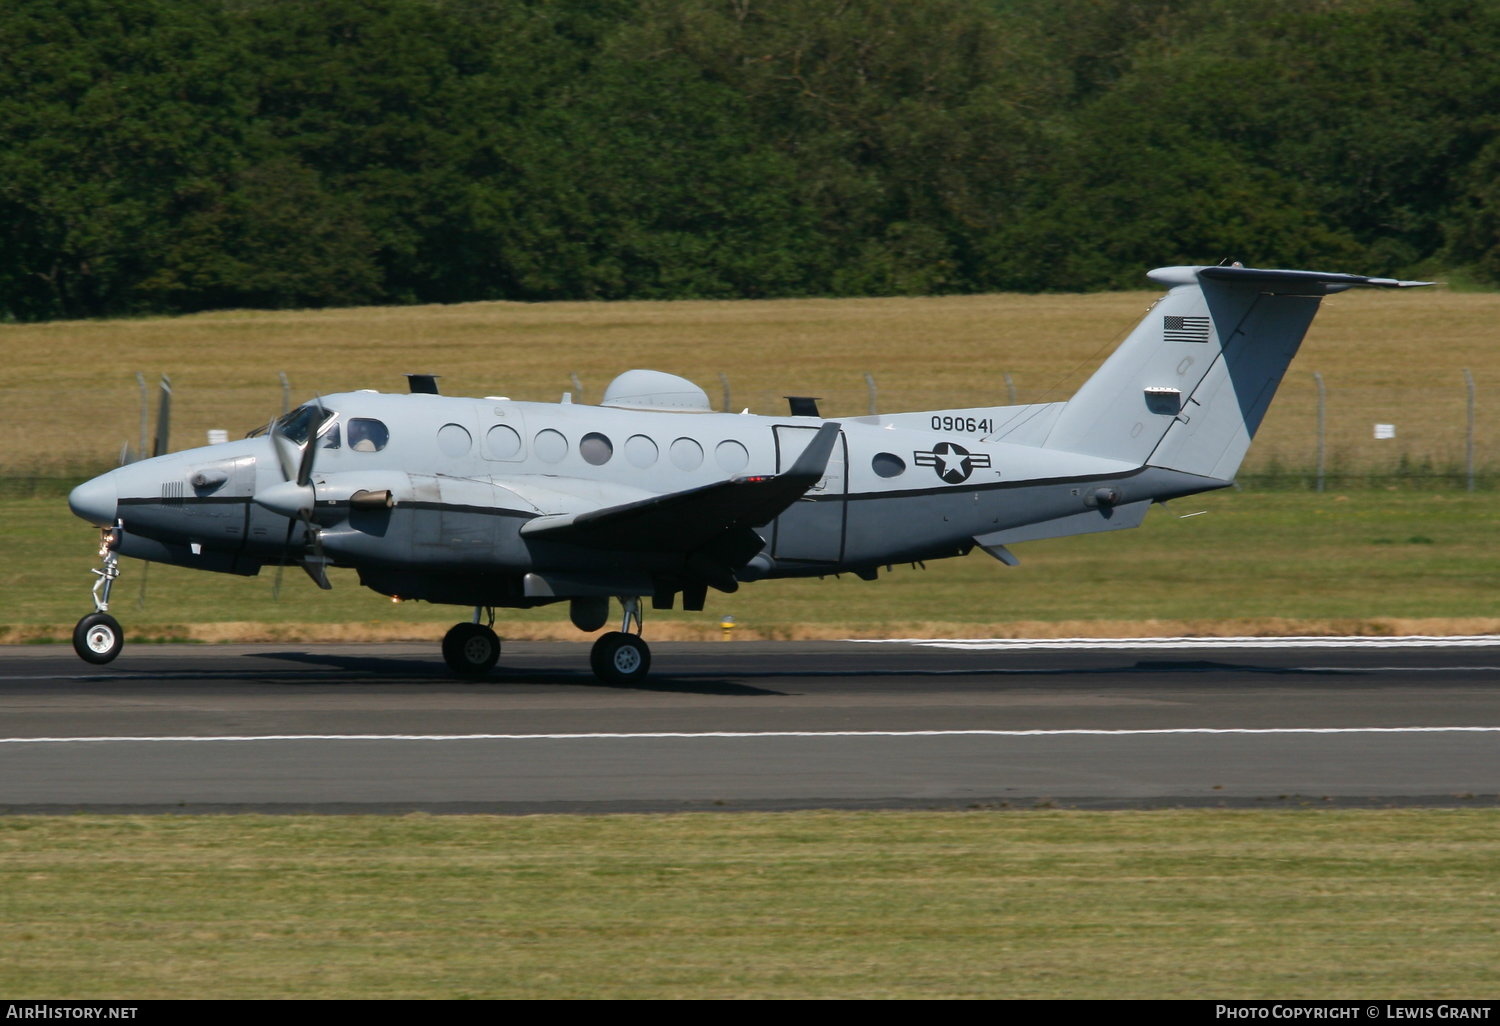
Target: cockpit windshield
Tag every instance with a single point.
(301, 422)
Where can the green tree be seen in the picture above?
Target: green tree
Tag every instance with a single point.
(1324, 134)
(908, 123)
(116, 117)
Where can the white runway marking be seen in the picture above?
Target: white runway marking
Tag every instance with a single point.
(1113, 644)
(755, 734)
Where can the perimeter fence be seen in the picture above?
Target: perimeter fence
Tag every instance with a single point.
(1321, 432)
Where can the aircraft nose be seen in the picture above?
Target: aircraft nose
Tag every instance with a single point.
(95, 501)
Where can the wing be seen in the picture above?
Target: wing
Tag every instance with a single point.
(692, 520)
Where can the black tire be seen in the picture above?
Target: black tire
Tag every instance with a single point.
(471, 649)
(97, 638)
(620, 658)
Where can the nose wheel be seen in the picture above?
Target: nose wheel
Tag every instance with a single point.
(97, 638)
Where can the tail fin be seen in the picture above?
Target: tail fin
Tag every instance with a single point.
(1188, 388)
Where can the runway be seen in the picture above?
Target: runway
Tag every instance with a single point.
(745, 725)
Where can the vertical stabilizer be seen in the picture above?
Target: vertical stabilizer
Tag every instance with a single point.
(1189, 387)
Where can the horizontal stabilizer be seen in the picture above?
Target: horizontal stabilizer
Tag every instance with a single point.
(1312, 282)
(687, 521)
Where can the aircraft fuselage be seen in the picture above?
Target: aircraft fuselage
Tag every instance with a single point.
(892, 492)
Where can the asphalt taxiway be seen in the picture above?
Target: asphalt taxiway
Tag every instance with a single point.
(744, 725)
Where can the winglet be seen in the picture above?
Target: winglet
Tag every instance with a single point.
(814, 459)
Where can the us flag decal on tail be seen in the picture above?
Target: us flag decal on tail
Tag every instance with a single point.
(1185, 329)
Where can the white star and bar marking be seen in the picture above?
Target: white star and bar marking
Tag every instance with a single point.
(951, 461)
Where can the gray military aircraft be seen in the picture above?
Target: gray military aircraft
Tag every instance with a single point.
(486, 502)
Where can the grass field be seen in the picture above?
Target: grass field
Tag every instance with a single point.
(1276, 904)
(71, 398)
(1369, 562)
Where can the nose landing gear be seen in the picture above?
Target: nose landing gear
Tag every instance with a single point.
(97, 637)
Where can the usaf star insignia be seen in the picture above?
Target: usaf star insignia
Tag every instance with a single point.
(951, 461)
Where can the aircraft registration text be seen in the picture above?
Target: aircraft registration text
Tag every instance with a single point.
(948, 422)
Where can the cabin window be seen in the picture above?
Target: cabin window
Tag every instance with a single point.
(331, 438)
(504, 442)
(454, 441)
(367, 435)
(686, 454)
(732, 456)
(888, 464)
(641, 451)
(596, 448)
(550, 446)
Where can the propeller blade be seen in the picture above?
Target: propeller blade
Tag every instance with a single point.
(288, 454)
(295, 497)
(312, 560)
(305, 465)
(286, 551)
(163, 418)
(315, 563)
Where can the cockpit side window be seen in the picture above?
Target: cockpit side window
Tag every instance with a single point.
(367, 435)
(331, 437)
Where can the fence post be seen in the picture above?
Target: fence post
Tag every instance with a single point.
(577, 386)
(286, 392)
(140, 379)
(1010, 388)
(870, 384)
(724, 380)
(1322, 424)
(1469, 433)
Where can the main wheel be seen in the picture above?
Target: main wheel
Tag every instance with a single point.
(471, 649)
(97, 638)
(620, 658)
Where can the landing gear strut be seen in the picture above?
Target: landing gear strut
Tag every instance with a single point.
(622, 657)
(472, 649)
(97, 638)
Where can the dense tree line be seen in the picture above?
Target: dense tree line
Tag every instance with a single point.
(175, 155)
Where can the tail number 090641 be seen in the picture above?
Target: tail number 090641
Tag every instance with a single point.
(947, 422)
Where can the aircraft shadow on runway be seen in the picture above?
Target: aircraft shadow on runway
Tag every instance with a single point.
(396, 671)
(721, 683)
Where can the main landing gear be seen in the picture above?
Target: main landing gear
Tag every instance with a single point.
(619, 657)
(472, 649)
(97, 638)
